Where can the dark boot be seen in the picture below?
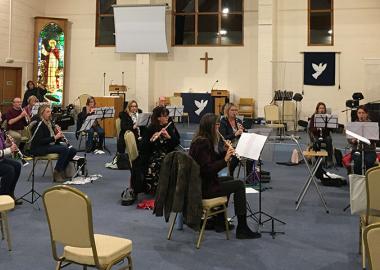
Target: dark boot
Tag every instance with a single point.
(243, 231)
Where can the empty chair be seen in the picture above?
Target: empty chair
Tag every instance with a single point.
(6, 204)
(246, 107)
(272, 117)
(69, 215)
(372, 245)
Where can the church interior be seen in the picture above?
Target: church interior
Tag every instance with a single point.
(190, 134)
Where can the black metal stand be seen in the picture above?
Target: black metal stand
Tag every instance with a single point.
(34, 194)
(104, 128)
(257, 216)
(81, 167)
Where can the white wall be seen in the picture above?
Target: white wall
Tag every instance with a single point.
(180, 70)
(357, 36)
(22, 36)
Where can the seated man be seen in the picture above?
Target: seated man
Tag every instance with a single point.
(17, 119)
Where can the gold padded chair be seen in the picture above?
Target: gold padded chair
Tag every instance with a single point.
(6, 204)
(373, 206)
(246, 107)
(131, 146)
(272, 118)
(372, 245)
(69, 215)
(49, 157)
(211, 207)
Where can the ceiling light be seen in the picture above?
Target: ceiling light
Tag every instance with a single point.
(225, 10)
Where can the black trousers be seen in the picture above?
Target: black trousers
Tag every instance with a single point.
(9, 173)
(229, 185)
(369, 160)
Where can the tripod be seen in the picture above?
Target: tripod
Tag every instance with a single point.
(34, 194)
(261, 213)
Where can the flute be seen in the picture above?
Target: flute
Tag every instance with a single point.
(154, 138)
(19, 153)
(65, 140)
(228, 144)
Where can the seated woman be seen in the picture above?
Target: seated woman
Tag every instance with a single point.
(321, 134)
(32, 100)
(231, 129)
(160, 138)
(46, 141)
(128, 120)
(202, 150)
(369, 150)
(89, 109)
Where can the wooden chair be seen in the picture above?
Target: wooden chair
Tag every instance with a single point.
(246, 107)
(6, 204)
(372, 245)
(373, 205)
(69, 215)
(211, 207)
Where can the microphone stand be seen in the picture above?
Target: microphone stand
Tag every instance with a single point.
(104, 84)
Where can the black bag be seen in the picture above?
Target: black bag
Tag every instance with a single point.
(338, 157)
(122, 161)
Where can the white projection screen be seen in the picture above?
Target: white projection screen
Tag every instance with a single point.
(140, 29)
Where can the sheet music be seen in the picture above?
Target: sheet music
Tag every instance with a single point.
(250, 190)
(320, 120)
(175, 110)
(368, 130)
(143, 119)
(37, 105)
(108, 112)
(250, 145)
(89, 122)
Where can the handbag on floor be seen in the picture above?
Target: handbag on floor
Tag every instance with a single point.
(358, 194)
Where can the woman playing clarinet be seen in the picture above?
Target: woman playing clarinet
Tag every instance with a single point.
(45, 141)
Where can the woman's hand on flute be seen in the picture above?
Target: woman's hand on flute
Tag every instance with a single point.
(229, 154)
(165, 133)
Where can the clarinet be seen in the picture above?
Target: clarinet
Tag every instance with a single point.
(65, 140)
(26, 117)
(19, 153)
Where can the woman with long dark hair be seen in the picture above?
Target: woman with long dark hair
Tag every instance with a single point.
(87, 110)
(369, 150)
(160, 138)
(321, 134)
(204, 150)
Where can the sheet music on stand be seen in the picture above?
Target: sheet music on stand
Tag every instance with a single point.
(250, 145)
(175, 111)
(105, 112)
(89, 122)
(368, 130)
(37, 105)
(143, 119)
(325, 121)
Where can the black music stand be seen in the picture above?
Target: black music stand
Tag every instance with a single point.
(105, 112)
(251, 146)
(175, 111)
(34, 194)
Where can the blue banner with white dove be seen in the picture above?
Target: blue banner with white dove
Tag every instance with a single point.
(197, 104)
(319, 68)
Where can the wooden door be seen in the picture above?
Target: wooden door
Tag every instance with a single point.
(10, 86)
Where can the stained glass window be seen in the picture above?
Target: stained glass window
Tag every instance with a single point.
(51, 48)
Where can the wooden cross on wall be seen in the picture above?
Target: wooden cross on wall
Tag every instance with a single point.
(206, 59)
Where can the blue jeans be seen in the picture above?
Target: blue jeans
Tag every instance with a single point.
(90, 136)
(65, 154)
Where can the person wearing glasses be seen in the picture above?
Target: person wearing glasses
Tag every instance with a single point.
(128, 121)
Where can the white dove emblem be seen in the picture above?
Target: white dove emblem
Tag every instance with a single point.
(318, 69)
(200, 105)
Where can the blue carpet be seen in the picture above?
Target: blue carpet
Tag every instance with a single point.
(312, 240)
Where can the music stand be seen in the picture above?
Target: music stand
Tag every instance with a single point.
(326, 121)
(363, 132)
(250, 146)
(143, 119)
(175, 111)
(105, 112)
(37, 105)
